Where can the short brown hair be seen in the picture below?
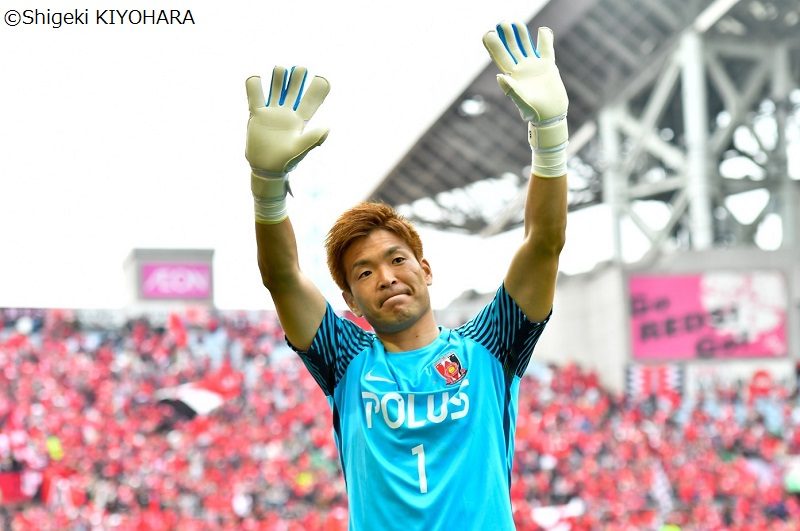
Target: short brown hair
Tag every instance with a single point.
(358, 222)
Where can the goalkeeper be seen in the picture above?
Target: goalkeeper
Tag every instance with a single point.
(423, 416)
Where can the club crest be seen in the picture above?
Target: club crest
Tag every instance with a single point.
(449, 367)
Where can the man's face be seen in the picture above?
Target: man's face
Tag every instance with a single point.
(388, 285)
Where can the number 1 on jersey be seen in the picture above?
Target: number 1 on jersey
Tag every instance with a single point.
(419, 451)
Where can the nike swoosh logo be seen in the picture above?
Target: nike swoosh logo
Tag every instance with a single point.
(372, 378)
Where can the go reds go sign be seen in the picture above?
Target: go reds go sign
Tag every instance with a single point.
(175, 281)
(716, 314)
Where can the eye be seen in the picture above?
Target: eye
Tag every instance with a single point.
(398, 259)
(364, 274)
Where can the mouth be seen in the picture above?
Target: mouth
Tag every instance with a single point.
(390, 297)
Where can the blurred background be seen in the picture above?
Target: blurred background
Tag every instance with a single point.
(144, 379)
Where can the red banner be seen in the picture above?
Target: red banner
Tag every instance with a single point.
(11, 488)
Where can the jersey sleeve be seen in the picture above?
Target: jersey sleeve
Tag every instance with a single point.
(504, 329)
(336, 342)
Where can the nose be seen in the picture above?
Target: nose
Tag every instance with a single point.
(386, 277)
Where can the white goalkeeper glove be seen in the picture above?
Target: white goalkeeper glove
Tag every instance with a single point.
(276, 135)
(531, 79)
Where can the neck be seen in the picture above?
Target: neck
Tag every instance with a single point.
(418, 335)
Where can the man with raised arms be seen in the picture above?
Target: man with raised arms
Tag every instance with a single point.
(423, 416)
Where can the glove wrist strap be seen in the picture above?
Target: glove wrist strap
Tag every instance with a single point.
(548, 140)
(269, 197)
(548, 135)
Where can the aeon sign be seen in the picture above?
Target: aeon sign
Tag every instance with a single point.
(175, 281)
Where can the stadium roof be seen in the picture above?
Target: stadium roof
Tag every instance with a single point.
(605, 49)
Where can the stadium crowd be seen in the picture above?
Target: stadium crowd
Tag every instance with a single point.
(85, 444)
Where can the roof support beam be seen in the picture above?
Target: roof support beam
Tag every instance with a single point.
(695, 119)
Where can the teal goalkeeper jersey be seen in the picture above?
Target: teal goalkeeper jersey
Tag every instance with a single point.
(426, 437)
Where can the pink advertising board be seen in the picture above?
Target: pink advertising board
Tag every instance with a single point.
(175, 280)
(708, 315)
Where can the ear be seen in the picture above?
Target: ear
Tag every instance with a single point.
(426, 268)
(351, 303)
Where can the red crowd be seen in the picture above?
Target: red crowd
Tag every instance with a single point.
(85, 444)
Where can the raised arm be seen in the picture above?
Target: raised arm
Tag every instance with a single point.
(531, 79)
(276, 142)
